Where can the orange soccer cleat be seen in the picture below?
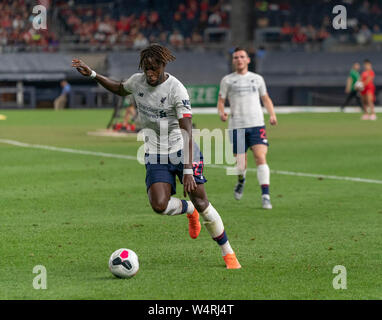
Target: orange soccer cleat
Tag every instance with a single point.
(194, 226)
(231, 261)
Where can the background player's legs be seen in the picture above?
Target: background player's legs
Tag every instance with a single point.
(365, 115)
(161, 201)
(214, 225)
(370, 103)
(60, 102)
(348, 99)
(241, 165)
(358, 98)
(263, 172)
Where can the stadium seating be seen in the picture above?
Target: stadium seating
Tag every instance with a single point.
(114, 31)
(109, 25)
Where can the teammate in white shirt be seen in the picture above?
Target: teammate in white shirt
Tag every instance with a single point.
(164, 111)
(244, 89)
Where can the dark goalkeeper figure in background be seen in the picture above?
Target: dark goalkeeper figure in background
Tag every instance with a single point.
(164, 107)
(350, 88)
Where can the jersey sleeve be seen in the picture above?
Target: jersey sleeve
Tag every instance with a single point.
(223, 88)
(262, 87)
(181, 102)
(129, 84)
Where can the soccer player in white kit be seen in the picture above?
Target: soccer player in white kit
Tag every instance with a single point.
(244, 89)
(164, 111)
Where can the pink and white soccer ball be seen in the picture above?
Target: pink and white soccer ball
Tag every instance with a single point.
(123, 263)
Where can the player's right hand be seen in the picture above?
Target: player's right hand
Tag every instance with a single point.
(223, 116)
(189, 184)
(81, 67)
(273, 120)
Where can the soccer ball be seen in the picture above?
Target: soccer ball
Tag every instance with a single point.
(359, 85)
(123, 263)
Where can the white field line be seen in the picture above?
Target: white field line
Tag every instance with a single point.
(50, 148)
(127, 157)
(290, 109)
(302, 174)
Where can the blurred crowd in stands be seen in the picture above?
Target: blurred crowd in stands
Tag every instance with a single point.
(308, 22)
(181, 24)
(16, 25)
(178, 23)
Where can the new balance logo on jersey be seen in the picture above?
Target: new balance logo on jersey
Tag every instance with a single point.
(140, 94)
(186, 104)
(163, 100)
(162, 114)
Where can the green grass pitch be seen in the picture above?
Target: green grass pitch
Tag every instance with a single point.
(69, 212)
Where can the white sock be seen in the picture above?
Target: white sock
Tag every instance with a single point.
(212, 221)
(175, 206)
(226, 248)
(190, 207)
(263, 174)
(215, 228)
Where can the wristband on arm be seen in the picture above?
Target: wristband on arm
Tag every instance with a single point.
(188, 171)
(93, 74)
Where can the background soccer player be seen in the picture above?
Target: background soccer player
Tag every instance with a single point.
(368, 92)
(164, 108)
(350, 90)
(244, 89)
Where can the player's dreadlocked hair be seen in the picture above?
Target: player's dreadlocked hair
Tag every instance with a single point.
(157, 52)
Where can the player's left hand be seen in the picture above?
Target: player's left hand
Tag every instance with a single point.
(189, 184)
(273, 120)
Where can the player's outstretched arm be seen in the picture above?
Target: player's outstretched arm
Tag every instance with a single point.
(268, 104)
(109, 84)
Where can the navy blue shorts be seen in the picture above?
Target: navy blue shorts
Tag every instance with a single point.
(242, 139)
(165, 168)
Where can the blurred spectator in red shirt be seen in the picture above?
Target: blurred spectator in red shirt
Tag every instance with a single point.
(123, 24)
(299, 37)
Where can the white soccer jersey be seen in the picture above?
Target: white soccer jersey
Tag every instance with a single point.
(159, 109)
(244, 92)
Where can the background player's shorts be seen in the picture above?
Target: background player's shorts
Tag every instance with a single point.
(369, 90)
(244, 138)
(165, 168)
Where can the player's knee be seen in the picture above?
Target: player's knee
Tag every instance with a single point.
(261, 159)
(159, 206)
(200, 204)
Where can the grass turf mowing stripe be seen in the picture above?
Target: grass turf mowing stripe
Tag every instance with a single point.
(127, 157)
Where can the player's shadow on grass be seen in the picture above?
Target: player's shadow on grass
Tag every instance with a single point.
(112, 278)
